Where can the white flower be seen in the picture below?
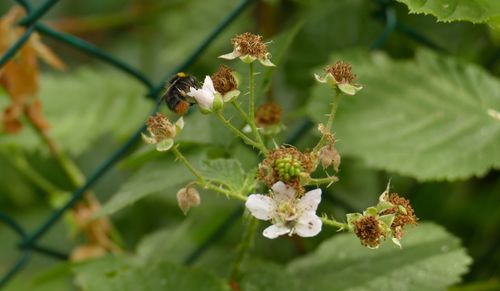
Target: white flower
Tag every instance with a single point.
(288, 214)
(206, 97)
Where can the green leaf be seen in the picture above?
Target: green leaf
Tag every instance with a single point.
(257, 275)
(476, 11)
(228, 172)
(431, 259)
(83, 106)
(161, 176)
(122, 273)
(431, 118)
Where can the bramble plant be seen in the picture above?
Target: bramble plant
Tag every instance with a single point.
(285, 171)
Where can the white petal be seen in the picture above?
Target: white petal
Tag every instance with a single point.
(319, 78)
(204, 98)
(309, 224)
(275, 230)
(283, 192)
(261, 206)
(310, 201)
(208, 84)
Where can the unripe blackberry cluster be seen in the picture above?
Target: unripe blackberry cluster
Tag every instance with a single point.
(287, 168)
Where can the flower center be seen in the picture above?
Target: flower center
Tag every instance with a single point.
(161, 127)
(224, 80)
(250, 44)
(286, 211)
(268, 114)
(342, 72)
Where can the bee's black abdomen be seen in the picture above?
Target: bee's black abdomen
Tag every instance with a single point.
(176, 95)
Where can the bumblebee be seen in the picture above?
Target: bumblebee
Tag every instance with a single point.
(176, 96)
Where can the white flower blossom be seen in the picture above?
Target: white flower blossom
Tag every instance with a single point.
(207, 98)
(288, 214)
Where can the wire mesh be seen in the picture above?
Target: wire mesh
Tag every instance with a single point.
(28, 241)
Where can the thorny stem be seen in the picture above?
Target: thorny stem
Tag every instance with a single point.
(226, 192)
(331, 117)
(201, 180)
(334, 223)
(241, 111)
(188, 165)
(243, 136)
(251, 109)
(244, 247)
(325, 180)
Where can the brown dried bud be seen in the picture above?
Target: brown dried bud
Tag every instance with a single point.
(224, 80)
(160, 127)
(328, 155)
(342, 72)
(250, 44)
(268, 114)
(187, 198)
(404, 214)
(369, 231)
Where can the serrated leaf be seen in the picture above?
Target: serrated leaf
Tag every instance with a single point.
(85, 105)
(228, 172)
(476, 11)
(431, 259)
(431, 118)
(122, 274)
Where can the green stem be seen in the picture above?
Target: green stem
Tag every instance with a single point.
(251, 109)
(325, 180)
(334, 223)
(243, 136)
(226, 192)
(245, 245)
(331, 117)
(241, 111)
(188, 165)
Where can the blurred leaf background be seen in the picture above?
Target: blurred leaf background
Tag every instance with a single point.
(414, 96)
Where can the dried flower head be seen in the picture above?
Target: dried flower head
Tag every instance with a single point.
(249, 47)
(341, 77)
(369, 231)
(285, 164)
(268, 114)
(403, 211)
(226, 82)
(162, 131)
(187, 198)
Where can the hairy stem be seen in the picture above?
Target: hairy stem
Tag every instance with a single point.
(334, 223)
(331, 118)
(243, 136)
(251, 109)
(325, 180)
(188, 165)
